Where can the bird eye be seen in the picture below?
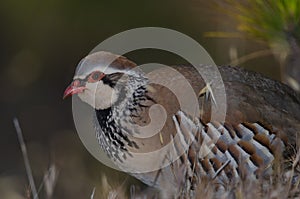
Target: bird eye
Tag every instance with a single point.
(95, 76)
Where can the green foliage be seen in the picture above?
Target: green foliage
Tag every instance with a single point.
(270, 21)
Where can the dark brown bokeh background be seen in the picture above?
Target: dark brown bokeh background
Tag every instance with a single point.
(41, 44)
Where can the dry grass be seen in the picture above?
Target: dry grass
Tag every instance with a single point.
(282, 184)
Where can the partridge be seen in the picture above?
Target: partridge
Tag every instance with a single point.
(260, 125)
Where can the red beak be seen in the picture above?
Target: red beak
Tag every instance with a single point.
(74, 88)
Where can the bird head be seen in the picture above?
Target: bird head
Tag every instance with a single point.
(96, 79)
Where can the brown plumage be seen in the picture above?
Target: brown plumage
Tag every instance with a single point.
(262, 119)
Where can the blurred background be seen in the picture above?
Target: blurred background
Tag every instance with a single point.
(41, 44)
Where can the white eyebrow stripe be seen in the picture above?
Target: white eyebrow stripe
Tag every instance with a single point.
(79, 77)
(107, 71)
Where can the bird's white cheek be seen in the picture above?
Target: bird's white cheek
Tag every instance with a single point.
(98, 95)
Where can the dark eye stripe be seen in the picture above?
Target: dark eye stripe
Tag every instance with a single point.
(115, 76)
(112, 79)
